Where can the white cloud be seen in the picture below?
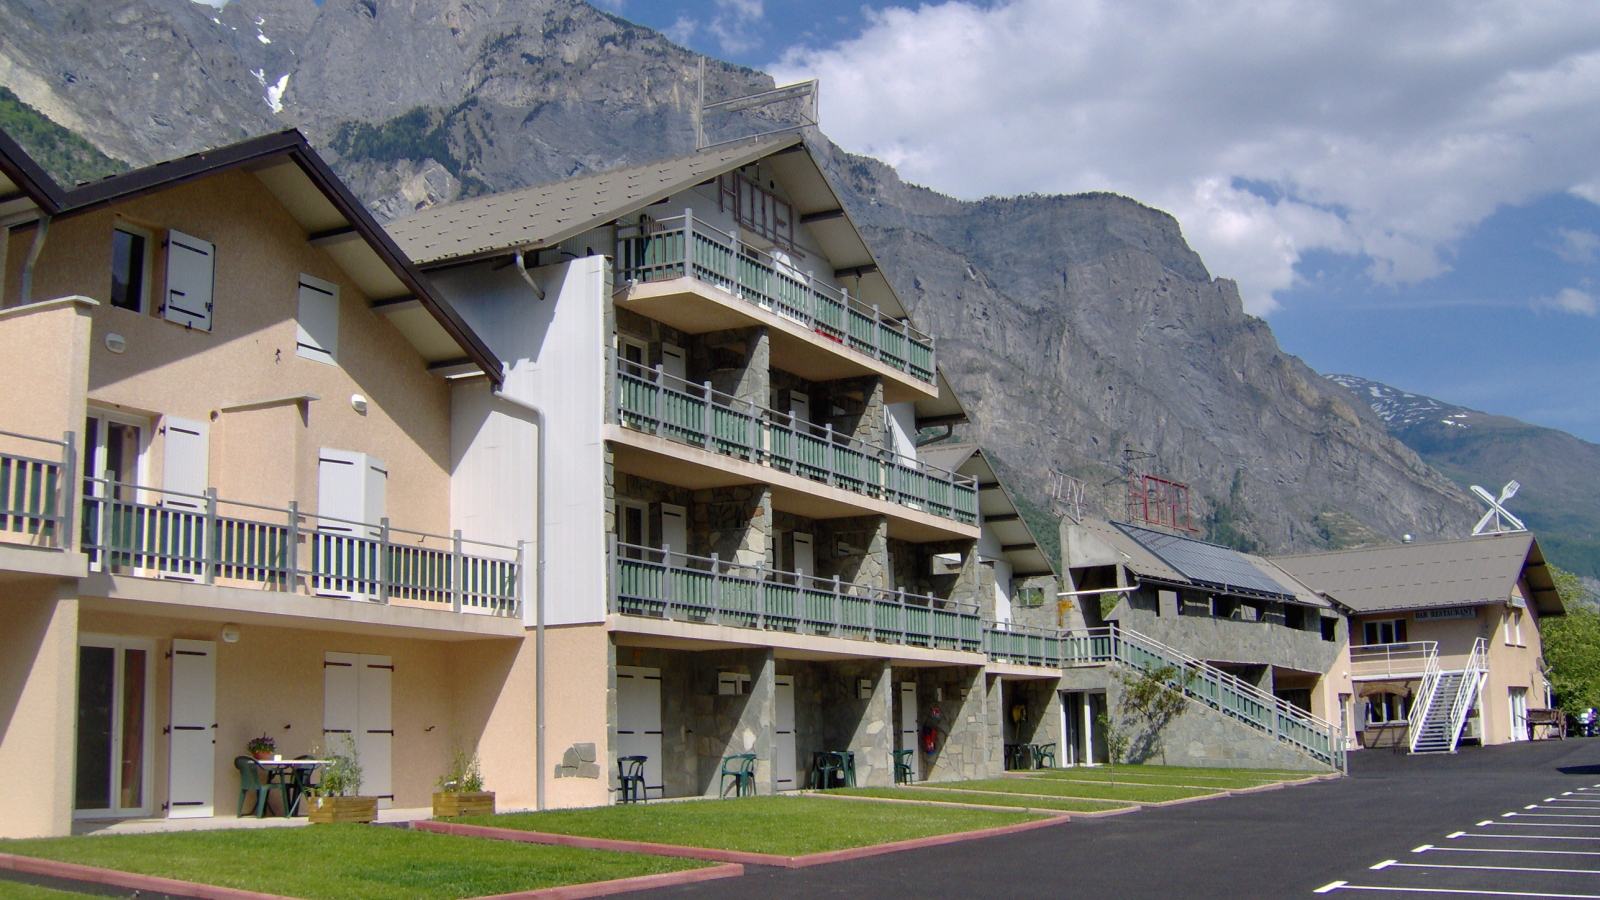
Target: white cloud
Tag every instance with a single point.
(1269, 130)
(736, 25)
(611, 5)
(1578, 245)
(682, 31)
(1570, 300)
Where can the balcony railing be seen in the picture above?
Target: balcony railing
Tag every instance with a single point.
(665, 584)
(654, 402)
(1025, 645)
(1412, 659)
(36, 491)
(152, 533)
(663, 249)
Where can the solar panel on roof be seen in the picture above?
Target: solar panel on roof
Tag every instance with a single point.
(1206, 564)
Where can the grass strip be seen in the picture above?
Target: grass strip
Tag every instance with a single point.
(785, 826)
(16, 890)
(1139, 777)
(1068, 804)
(1051, 787)
(347, 862)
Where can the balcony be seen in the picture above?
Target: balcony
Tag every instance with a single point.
(684, 247)
(664, 584)
(653, 402)
(1377, 662)
(146, 532)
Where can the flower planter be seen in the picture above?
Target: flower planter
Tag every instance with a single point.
(262, 754)
(325, 810)
(450, 804)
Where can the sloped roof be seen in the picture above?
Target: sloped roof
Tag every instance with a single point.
(1209, 565)
(293, 172)
(999, 509)
(1466, 572)
(547, 214)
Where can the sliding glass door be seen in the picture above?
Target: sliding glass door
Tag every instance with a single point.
(112, 774)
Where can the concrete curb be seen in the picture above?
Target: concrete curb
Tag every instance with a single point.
(953, 805)
(156, 885)
(729, 856)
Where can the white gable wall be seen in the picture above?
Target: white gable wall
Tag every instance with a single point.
(555, 353)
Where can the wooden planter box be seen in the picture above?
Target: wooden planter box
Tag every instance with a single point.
(450, 804)
(325, 810)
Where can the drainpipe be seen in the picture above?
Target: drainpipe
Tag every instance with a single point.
(522, 269)
(538, 586)
(39, 235)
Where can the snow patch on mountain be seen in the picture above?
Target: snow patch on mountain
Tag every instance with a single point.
(1402, 409)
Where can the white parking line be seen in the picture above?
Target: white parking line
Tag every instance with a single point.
(1346, 886)
(1426, 848)
(1560, 815)
(1540, 824)
(1523, 837)
(1399, 865)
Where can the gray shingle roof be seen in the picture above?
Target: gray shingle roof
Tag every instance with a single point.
(546, 214)
(1465, 572)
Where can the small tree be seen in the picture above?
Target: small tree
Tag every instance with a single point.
(1117, 740)
(1572, 647)
(341, 776)
(1151, 699)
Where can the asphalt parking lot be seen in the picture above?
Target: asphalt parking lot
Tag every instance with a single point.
(1295, 842)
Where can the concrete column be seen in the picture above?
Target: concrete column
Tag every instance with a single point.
(38, 705)
(759, 716)
(873, 741)
(996, 709)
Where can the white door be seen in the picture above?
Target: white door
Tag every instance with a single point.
(114, 726)
(194, 730)
(356, 707)
(675, 531)
(800, 408)
(908, 726)
(639, 719)
(785, 770)
(1519, 714)
(805, 557)
(674, 363)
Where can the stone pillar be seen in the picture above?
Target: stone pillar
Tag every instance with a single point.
(873, 741)
(869, 566)
(730, 725)
(996, 710)
(735, 523)
(962, 750)
(748, 380)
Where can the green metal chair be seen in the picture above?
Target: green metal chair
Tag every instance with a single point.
(742, 769)
(1044, 756)
(902, 766)
(298, 784)
(250, 780)
(630, 772)
(825, 764)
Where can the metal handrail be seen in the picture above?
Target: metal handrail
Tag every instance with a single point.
(1471, 682)
(154, 532)
(1418, 716)
(649, 399)
(36, 494)
(1365, 660)
(660, 582)
(679, 246)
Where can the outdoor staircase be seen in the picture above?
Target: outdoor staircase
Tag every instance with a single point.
(1240, 700)
(1446, 702)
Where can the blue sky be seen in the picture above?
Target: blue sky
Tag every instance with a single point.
(1404, 191)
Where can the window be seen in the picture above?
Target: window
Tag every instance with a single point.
(1513, 628)
(191, 267)
(1030, 597)
(130, 267)
(1387, 631)
(317, 325)
(115, 722)
(113, 450)
(633, 531)
(1330, 628)
(1387, 709)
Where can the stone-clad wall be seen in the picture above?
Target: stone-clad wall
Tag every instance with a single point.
(869, 534)
(699, 727)
(1235, 641)
(961, 750)
(735, 523)
(830, 716)
(1205, 737)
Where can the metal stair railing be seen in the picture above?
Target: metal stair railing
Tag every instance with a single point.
(1422, 705)
(1233, 697)
(1466, 694)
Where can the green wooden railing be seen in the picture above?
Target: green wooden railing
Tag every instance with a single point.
(665, 584)
(35, 492)
(663, 249)
(652, 401)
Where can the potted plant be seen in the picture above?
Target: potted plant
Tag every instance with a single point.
(461, 790)
(337, 798)
(262, 747)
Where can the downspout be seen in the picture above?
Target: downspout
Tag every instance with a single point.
(538, 587)
(39, 235)
(522, 269)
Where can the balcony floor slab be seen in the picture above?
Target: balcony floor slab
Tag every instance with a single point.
(660, 459)
(220, 603)
(640, 631)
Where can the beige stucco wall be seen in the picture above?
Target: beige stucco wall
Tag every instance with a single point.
(271, 681)
(38, 688)
(260, 457)
(44, 351)
(1325, 695)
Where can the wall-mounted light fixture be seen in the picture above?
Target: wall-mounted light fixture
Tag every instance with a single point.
(230, 633)
(358, 403)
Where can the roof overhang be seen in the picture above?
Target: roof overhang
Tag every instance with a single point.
(1001, 515)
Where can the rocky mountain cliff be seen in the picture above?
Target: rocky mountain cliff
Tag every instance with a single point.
(1073, 327)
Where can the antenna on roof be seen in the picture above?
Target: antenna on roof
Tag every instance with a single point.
(1498, 520)
(1066, 495)
(805, 91)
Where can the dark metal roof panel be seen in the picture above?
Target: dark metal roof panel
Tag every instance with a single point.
(1208, 565)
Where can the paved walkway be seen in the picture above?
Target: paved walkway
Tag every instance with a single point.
(1272, 845)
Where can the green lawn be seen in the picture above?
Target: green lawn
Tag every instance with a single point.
(1055, 787)
(1070, 804)
(786, 826)
(347, 862)
(1213, 778)
(14, 890)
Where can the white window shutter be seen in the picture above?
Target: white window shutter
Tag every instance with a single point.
(191, 268)
(193, 747)
(341, 679)
(185, 457)
(317, 325)
(340, 489)
(374, 490)
(376, 740)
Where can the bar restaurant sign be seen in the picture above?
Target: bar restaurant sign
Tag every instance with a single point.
(1448, 612)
